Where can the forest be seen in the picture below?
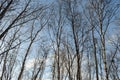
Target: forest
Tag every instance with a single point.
(59, 39)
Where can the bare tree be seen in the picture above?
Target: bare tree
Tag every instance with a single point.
(15, 18)
(71, 39)
(101, 14)
(56, 25)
